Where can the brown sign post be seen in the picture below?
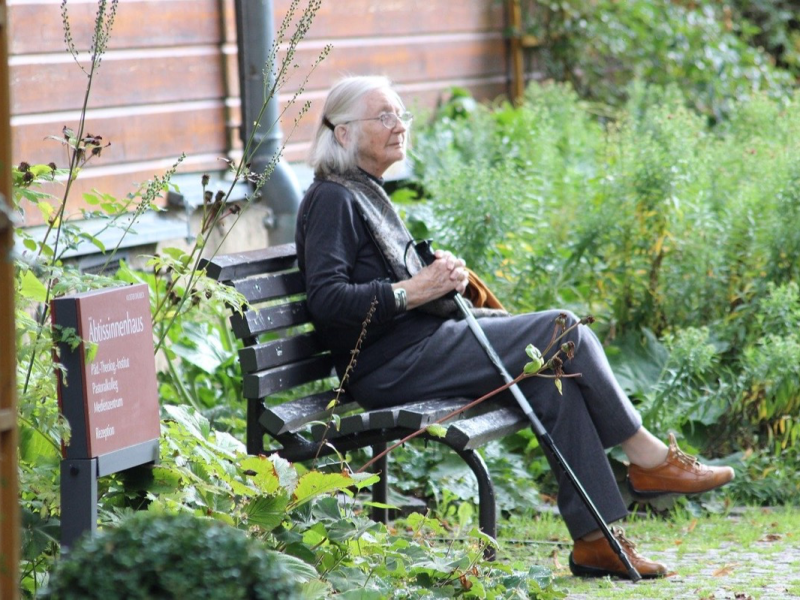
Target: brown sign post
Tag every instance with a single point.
(108, 394)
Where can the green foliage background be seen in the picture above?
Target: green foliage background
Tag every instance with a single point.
(678, 235)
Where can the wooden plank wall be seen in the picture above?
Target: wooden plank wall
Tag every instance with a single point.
(168, 83)
(425, 46)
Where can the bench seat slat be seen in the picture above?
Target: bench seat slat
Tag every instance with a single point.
(474, 432)
(241, 264)
(268, 287)
(384, 418)
(347, 425)
(417, 415)
(294, 415)
(264, 383)
(278, 352)
(255, 322)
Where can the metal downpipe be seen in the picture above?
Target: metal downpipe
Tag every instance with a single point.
(255, 32)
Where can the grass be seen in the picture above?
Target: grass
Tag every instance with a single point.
(747, 554)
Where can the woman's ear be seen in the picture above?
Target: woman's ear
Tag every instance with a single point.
(341, 135)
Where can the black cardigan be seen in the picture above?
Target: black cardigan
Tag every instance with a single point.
(344, 271)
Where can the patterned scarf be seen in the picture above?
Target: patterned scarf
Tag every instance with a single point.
(393, 238)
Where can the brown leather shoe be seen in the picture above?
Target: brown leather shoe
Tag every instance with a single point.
(680, 473)
(597, 559)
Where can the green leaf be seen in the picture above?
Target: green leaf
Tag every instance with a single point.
(35, 447)
(39, 170)
(484, 537)
(46, 209)
(175, 253)
(287, 474)
(37, 534)
(91, 199)
(533, 352)
(436, 430)
(361, 480)
(381, 505)
(190, 419)
(558, 386)
(638, 359)
(203, 349)
(314, 484)
(302, 571)
(533, 366)
(404, 195)
(91, 350)
(301, 551)
(266, 476)
(267, 511)
(465, 514)
(32, 288)
(30, 244)
(90, 238)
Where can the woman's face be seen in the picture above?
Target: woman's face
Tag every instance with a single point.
(378, 148)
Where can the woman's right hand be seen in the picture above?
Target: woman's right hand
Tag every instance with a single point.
(445, 274)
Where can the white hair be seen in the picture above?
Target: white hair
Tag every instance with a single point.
(343, 104)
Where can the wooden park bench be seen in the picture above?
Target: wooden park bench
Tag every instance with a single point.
(281, 353)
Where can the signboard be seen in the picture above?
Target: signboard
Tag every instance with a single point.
(110, 400)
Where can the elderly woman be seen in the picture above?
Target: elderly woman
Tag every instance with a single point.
(353, 248)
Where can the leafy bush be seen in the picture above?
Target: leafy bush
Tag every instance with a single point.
(703, 47)
(171, 556)
(774, 26)
(679, 236)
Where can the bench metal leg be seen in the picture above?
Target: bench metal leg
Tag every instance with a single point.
(380, 490)
(486, 495)
(255, 434)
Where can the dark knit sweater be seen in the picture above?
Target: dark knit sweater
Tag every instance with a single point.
(344, 271)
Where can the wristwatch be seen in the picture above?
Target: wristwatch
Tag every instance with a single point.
(400, 300)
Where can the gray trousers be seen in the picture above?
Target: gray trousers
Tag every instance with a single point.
(592, 414)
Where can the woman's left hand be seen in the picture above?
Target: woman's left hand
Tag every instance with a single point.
(445, 274)
(457, 267)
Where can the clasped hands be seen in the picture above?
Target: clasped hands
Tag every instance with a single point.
(445, 274)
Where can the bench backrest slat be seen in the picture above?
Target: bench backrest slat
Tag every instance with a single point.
(269, 287)
(270, 381)
(279, 352)
(241, 264)
(281, 316)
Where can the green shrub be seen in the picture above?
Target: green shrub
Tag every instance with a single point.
(603, 45)
(679, 236)
(170, 556)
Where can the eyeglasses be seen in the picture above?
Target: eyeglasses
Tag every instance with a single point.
(389, 119)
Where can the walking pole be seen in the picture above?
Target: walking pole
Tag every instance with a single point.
(426, 254)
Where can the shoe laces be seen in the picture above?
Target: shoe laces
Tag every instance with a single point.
(690, 461)
(627, 545)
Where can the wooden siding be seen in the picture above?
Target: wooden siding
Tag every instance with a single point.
(169, 82)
